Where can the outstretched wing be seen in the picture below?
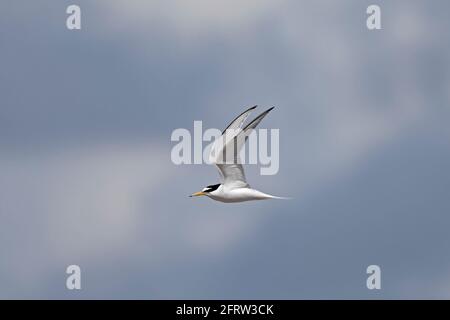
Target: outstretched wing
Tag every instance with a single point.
(233, 175)
(252, 125)
(225, 150)
(219, 147)
(239, 120)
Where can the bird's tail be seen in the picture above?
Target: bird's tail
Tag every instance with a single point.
(261, 195)
(280, 198)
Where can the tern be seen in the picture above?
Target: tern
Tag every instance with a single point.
(225, 156)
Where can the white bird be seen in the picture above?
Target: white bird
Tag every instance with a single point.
(234, 187)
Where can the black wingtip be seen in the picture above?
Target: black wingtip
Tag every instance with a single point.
(249, 109)
(258, 118)
(267, 111)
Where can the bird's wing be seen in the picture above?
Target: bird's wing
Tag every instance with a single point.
(233, 175)
(219, 147)
(233, 145)
(252, 125)
(239, 120)
(225, 151)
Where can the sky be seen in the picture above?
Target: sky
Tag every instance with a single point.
(86, 176)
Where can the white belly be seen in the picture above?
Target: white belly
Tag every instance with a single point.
(239, 195)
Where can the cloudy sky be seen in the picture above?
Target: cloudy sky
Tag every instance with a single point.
(86, 176)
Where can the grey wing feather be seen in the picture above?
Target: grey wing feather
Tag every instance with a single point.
(233, 175)
(230, 132)
(252, 125)
(232, 171)
(239, 120)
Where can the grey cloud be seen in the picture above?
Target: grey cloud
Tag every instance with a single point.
(85, 144)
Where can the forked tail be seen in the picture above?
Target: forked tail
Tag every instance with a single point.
(280, 198)
(258, 195)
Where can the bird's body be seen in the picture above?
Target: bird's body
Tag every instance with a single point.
(223, 194)
(225, 156)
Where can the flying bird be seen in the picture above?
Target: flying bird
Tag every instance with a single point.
(225, 156)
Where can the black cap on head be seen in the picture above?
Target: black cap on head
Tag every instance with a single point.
(211, 187)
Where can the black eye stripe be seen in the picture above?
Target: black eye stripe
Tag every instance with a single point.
(212, 187)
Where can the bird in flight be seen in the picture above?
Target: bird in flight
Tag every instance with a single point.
(225, 156)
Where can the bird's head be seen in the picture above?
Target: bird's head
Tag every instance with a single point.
(206, 191)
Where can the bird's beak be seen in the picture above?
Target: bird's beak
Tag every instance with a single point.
(197, 194)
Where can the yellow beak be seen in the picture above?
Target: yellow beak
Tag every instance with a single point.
(197, 194)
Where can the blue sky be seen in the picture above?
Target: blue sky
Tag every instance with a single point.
(86, 177)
